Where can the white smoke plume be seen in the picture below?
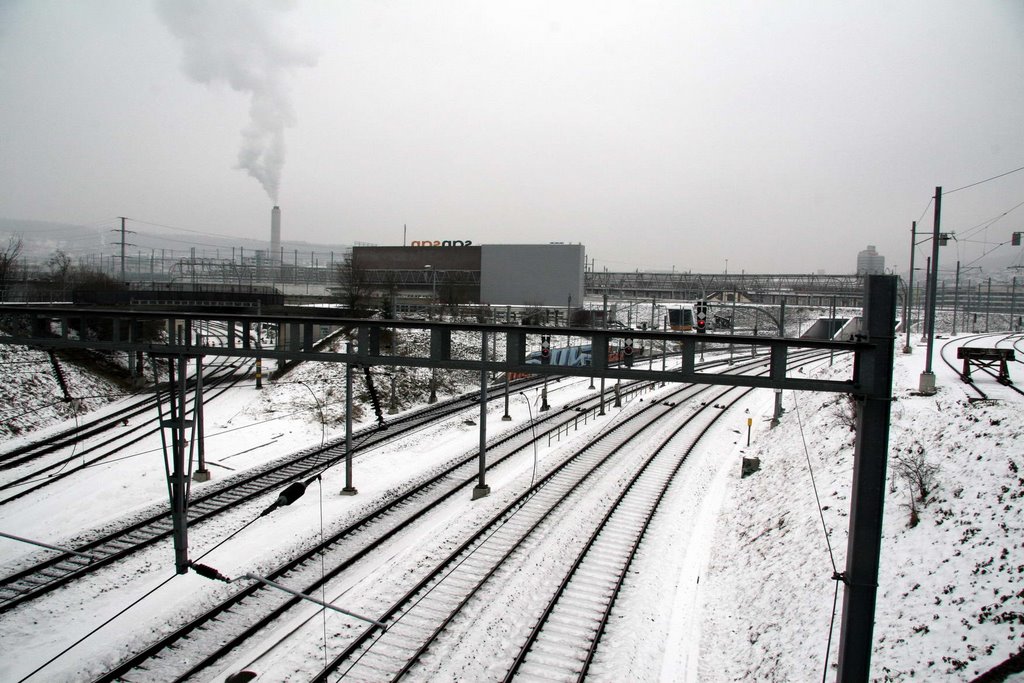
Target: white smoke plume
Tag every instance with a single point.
(242, 43)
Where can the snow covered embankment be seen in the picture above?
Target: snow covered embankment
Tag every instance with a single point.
(951, 588)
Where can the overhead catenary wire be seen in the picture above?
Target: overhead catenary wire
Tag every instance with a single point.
(130, 605)
(980, 182)
(108, 461)
(95, 630)
(923, 212)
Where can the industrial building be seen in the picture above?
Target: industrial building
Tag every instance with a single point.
(453, 272)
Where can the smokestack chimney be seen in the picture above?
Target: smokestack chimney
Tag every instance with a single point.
(275, 235)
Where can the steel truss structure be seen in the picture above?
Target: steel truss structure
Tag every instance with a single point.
(814, 290)
(870, 382)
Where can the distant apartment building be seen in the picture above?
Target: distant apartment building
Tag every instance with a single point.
(870, 262)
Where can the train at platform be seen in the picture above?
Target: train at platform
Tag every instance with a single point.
(681, 317)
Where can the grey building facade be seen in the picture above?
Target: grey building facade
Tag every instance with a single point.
(532, 274)
(870, 262)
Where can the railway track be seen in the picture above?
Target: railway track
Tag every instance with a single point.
(107, 548)
(499, 552)
(90, 427)
(563, 641)
(180, 655)
(254, 608)
(21, 485)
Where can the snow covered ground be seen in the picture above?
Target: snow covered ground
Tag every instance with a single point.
(733, 583)
(950, 599)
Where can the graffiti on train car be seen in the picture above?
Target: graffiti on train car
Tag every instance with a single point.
(573, 357)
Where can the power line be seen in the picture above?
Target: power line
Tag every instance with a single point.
(196, 232)
(925, 209)
(983, 181)
(987, 223)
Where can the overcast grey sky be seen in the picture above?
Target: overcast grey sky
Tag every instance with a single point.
(780, 136)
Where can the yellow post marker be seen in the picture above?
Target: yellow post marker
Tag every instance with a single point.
(750, 421)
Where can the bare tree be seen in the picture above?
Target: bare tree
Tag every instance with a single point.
(354, 287)
(9, 263)
(844, 410)
(913, 467)
(61, 267)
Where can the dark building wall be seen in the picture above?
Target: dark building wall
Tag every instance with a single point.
(504, 274)
(415, 258)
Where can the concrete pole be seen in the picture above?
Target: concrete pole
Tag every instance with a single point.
(349, 489)
(832, 329)
(179, 473)
(909, 317)
(201, 474)
(927, 298)
(732, 326)
(988, 304)
(956, 296)
(664, 347)
(482, 489)
(926, 384)
(393, 403)
(1013, 302)
(506, 417)
(777, 414)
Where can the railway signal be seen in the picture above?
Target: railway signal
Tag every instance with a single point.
(627, 351)
(701, 314)
(1015, 238)
(545, 350)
